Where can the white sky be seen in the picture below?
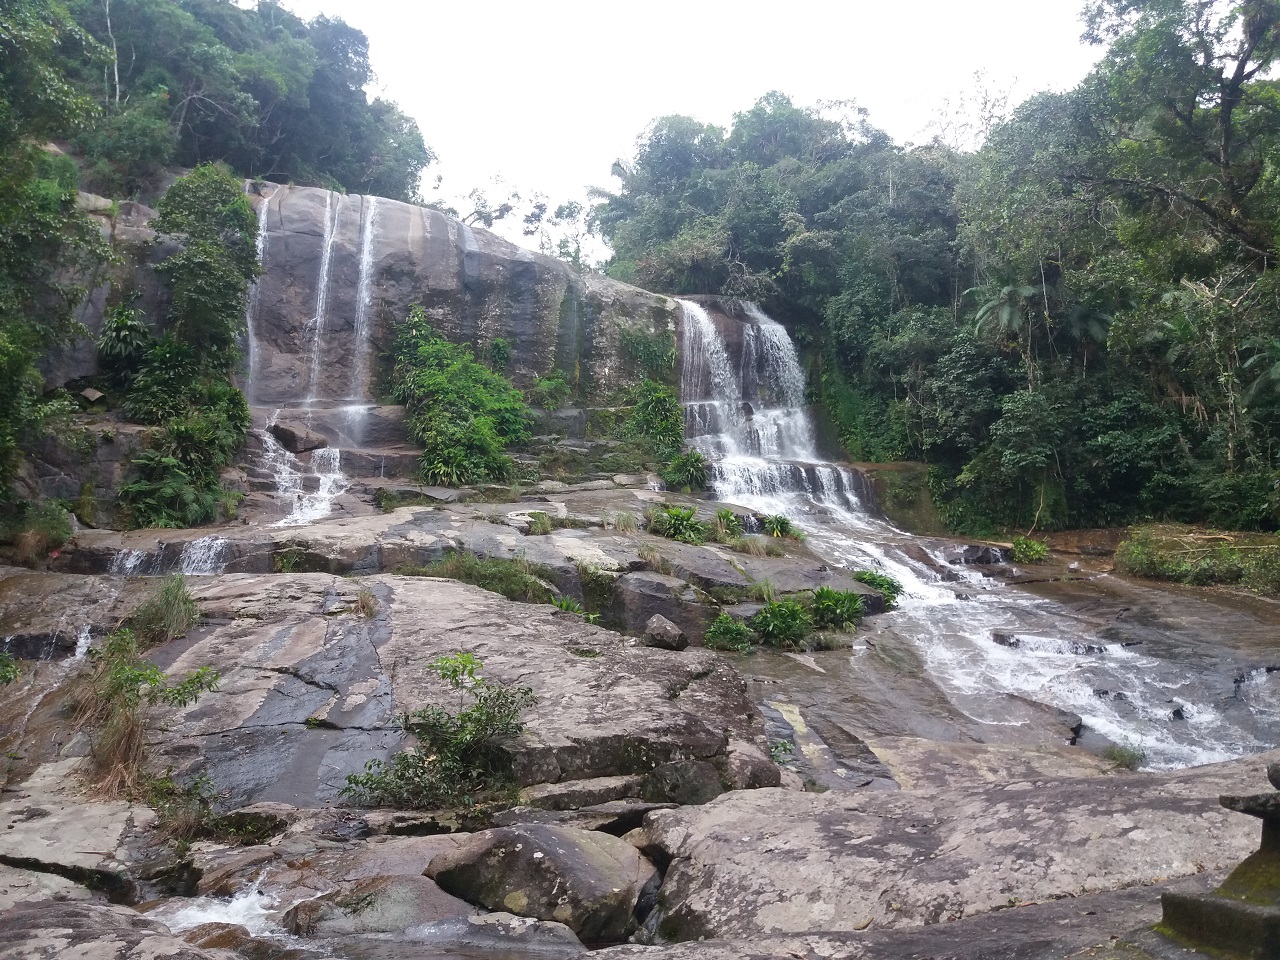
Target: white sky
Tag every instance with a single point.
(548, 93)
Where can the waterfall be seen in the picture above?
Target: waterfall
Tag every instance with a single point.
(206, 555)
(364, 301)
(292, 479)
(251, 313)
(332, 216)
(743, 392)
(126, 563)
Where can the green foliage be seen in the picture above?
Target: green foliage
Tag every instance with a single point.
(567, 604)
(551, 392)
(9, 671)
(783, 623)
(515, 579)
(255, 86)
(757, 546)
(499, 355)
(1125, 756)
(652, 355)
(779, 526)
(889, 588)
(37, 530)
(727, 526)
(726, 633)
(688, 471)
(459, 757)
(678, 523)
(1026, 550)
(656, 418)
(168, 612)
(123, 343)
(835, 609)
(1202, 558)
(539, 523)
(463, 414)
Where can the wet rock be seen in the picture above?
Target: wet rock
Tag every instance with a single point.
(661, 633)
(685, 782)
(642, 595)
(374, 905)
(297, 437)
(586, 880)
(750, 863)
(42, 930)
(978, 554)
(492, 934)
(233, 937)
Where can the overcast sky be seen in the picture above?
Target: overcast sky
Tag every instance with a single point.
(548, 93)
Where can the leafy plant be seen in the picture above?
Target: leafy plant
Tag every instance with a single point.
(656, 418)
(499, 355)
(123, 343)
(568, 604)
(726, 633)
(780, 526)
(462, 414)
(40, 529)
(782, 623)
(688, 471)
(836, 609)
(727, 526)
(539, 523)
(459, 757)
(9, 671)
(678, 523)
(889, 588)
(550, 392)
(1026, 550)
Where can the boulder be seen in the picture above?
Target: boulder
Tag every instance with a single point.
(588, 881)
(41, 930)
(374, 905)
(686, 782)
(297, 437)
(978, 553)
(639, 596)
(772, 862)
(662, 633)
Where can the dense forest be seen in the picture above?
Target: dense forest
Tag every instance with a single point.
(1077, 324)
(127, 90)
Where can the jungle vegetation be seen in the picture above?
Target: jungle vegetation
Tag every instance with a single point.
(1076, 324)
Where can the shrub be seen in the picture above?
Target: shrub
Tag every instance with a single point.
(1126, 756)
(678, 523)
(499, 355)
(727, 526)
(567, 604)
(688, 471)
(726, 633)
(8, 669)
(782, 623)
(624, 521)
(780, 526)
(1201, 558)
(657, 418)
(43, 528)
(515, 579)
(463, 414)
(459, 756)
(170, 611)
(889, 588)
(116, 707)
(539, 524)
(1026, 550)
(550, 392)
(123, 344)
(836, 609)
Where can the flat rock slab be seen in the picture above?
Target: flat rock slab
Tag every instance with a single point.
(918, 764)
(769, 862)
(46, 929)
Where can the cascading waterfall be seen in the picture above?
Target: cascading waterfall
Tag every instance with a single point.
(364, 300)
(204, 556)
(251, 312)
(749, 419)
(315, 329)
(291, 479)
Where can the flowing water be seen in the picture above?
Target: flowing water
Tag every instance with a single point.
(205, 556)
(1161, 684)
(251, 313)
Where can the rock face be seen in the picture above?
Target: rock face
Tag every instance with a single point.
(586, 880)
(42, 930)
(375, 905)
(768, 862)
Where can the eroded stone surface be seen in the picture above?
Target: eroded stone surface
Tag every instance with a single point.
(44, 930)
(768, 862)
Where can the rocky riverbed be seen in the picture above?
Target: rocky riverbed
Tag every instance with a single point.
(654, 803)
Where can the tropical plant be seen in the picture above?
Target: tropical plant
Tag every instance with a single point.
(568, 604)
(460, 756)
(123, 343)
(1026, 550)
(889, 588)
(688, 471)
(656, 417)
(726, 633)
(835, 609)
(779, 526)
(678, 523)
(782, 623)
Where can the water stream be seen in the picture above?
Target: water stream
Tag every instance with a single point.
(1161, 687)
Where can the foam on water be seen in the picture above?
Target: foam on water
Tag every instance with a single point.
(249, 908)
(205, 556)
